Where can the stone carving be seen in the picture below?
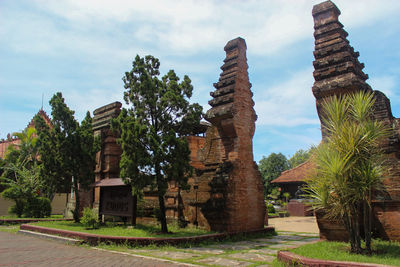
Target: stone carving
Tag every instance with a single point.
(338, 71)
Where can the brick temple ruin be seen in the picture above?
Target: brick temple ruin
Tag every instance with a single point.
(337, 72)
(226, 191)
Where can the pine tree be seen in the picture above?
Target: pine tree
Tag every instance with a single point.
(151, 129)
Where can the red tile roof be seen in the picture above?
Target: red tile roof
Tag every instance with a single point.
(13, 140)
(44, 116)
(297, 174)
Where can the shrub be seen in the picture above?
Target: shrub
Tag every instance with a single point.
(90, 218)
(17, 208)
(270, 208)
(38, 207)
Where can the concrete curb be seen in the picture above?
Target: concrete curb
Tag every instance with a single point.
(297, 260)
(61, 239)
(94, 239)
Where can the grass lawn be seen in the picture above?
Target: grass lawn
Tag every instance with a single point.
(54, 216)
(9, 228)
(384, 252)
(112, 229)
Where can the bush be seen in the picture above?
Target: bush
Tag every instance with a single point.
(17, 208)
(270, 208)
(38, 207)
(90, 218)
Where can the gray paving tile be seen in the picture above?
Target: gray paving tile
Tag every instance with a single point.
(270, 240)
(282, 246)
(251, 256)
(223, 262)
(174, 255)
(264, 251)
(206, 250)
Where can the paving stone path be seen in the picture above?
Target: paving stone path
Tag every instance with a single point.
(20, 250)
(254, 252)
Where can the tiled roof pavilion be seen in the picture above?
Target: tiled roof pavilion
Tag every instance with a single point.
(296, 175)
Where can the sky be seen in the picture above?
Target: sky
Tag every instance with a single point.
(83, 49)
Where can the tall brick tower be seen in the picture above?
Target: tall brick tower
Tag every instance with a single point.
(237, 194)
(337, 69)
(337, 72)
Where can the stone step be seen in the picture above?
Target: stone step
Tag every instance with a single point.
(65, 240)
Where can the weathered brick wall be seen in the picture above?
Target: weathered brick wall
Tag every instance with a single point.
(229, 194)
(338, 71)
(107, 159)
(226, 191)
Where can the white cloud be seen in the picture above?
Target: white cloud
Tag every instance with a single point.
(386, 84)
(190, 26)
(290, 103)
(82, 101)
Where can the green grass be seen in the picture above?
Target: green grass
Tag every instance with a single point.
(9, 228)
(384, 252)
(112, 229)
(54, 216)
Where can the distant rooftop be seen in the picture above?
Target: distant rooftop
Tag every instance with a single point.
(297, 174)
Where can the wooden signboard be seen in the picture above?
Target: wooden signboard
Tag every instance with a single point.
(116, 201)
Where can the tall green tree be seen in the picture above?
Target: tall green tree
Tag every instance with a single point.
(50, 168)
(300, 156)
(151, 129)
(349, 164)
(271, 167)
(76, 148)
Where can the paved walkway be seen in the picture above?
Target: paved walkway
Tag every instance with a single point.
(255, 252)
(295, 224)
(20, 250)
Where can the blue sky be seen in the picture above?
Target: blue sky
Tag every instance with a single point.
(83, 48)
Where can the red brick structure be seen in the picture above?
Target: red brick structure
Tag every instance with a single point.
(107, 159)
(338, 71)
(227, 192)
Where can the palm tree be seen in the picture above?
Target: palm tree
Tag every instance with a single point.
(349, 163)
(25, 151)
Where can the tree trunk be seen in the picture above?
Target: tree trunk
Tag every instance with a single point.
(348, 221)
(163, 219)
(160, 189)
(134, 210)
(181, 218)
(368, 223)
(77, 200)
(357, 233)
